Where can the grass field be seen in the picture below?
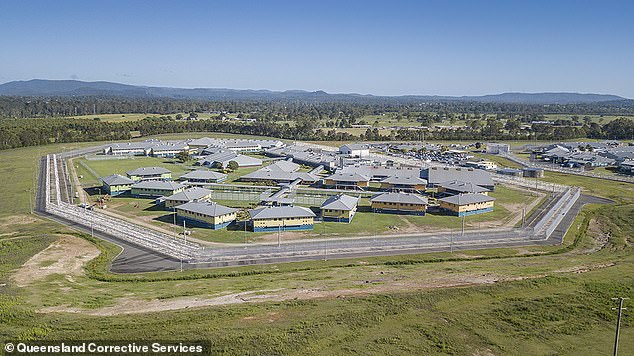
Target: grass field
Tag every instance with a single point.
(498, 302)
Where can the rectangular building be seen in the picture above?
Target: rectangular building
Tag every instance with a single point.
(399, 203)
(206, 214)
(203, 176)
(281, 218)
(156, 188)
(404, 183)
(467, 204)
(341, 180)
(187, 195)
(116, 184)
(149, 173)
(339, 208)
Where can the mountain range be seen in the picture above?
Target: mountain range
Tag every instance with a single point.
(69, 88)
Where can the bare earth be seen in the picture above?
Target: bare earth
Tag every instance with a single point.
(65, 256)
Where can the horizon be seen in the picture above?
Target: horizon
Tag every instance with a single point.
(408, 48)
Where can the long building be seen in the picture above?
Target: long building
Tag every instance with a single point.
(404, 183)
(203, 176)
(399, 203)
(149, 173)
(435, 176)
(467, 204)
(281, 218)
(342, 180)
(206, 214)
(156, 188)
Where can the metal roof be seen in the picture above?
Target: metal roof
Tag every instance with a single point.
(469, 198)
(407, 198)
(463, 187)
(206, 208)
(355, 146)
(340, 202)
(204, 174)
(279, 175)
(348, 177)
(476, 176)
(147, 171)
(190, 194)
(158, 184)
(270, 212)
(116, 179)
(404, 180)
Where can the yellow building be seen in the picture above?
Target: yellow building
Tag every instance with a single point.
(339, 208)
(281, 218)
(149, 173)
(206, 214)
(342, 180)
(187, 195)
(403, 183)
(399, 203)
(467, 204)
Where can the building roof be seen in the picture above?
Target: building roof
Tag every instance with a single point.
(204, 174)
(348, 177)
(407, 198)
(462, 187)
(279, 175)
(133, 145)
(472, 175)
(382, 172)
(283, 165)
(404, 180)
(270, 212)
(170, 146)
(116, 179)
(470, 198)
(340, 202)
(147, 171)
(158, 185)
(206, 208)
(190, 194)
(355, 147)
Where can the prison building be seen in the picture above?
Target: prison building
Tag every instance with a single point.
(455, 187)
(116, 184)
(149, 173)
(513, 172)
(281, 218)
(223, 157)
(467, 204)
(280, 172)
(206, 214)
(437, 175)
(339, 208)
(403, 183)
(187, 195)
(156, 188)
(533, 172)
(130, 148)
(340, 180)
(399, 203)
(379, 173)
(169, 149)
(355, 150)
(203, 176)
(486, 165)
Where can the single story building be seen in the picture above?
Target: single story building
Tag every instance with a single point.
(169, 149)
(149, 173)
(455, 187)
(116, 184)
(513, 172)
(339, 208)
(467, 204)
(130, 148)
(281, 218)
(533, 172)
(436, 175)
(203, 176)
(404, 183)
(187, 195)
(341, 180)
(627, 166)
(156, 188)
(399, 203)
(223, 157)
(206, 214)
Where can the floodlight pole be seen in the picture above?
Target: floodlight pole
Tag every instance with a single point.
(618, 323)
(463, 218)
(523, 216)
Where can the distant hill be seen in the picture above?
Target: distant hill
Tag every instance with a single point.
(68, 88)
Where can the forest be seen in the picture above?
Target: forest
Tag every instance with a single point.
(30, 121)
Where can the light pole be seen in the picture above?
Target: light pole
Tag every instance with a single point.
(618, 323)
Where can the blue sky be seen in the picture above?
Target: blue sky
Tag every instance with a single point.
(377, 47)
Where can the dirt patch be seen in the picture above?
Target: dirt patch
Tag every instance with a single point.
(11, 221)
(599, 237)
(66, 256)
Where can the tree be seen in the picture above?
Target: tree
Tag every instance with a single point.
(217, 165)
(233, 165)
(183, 156)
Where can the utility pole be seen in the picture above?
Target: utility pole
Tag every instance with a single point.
(618, 322)
(523, 216)
(463, 217)
(279, 241)
(451, 243)
(184, 231)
